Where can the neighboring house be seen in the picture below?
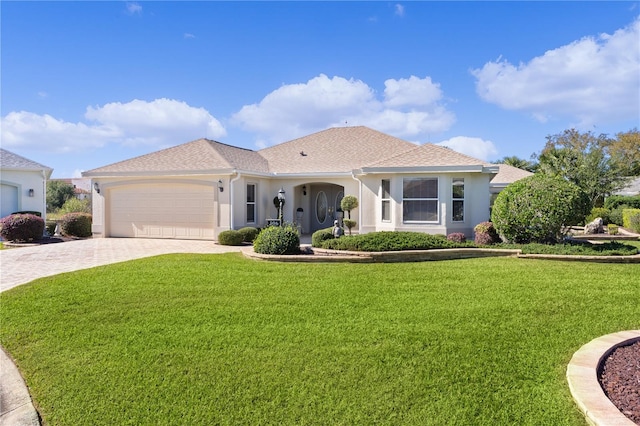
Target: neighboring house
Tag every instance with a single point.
(200, 188)
(81, 187)
(632, 188)
(23, 184)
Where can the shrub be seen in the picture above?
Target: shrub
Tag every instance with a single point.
(486, 234)
(76, 225)
(616, 201)
(349, 223)
(249, 233)
(391, 241)
(21, 227)
(457, 237)
(321, 235)
(600, 212)
(538, 208)
(612, 229)
(615, 216)
(29, 212)
(278, 240)
(230, 237)
(631, 219)
(73, 205)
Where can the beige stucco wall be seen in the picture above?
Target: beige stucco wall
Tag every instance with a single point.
(24, 181)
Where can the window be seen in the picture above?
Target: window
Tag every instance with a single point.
(386, 200)
(457, 191)
(251, 203)
(420, 200)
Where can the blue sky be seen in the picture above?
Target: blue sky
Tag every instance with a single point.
(86, 84)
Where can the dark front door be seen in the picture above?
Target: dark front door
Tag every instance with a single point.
(325, 205)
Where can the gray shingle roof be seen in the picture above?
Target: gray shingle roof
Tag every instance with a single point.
(11, 161)
(509, 174)
(428, 155)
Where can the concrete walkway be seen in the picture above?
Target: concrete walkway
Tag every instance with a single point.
(21, 265)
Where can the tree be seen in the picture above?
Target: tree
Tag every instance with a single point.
(625, 152)
(581, 158)
(520, 163)
(348, 203)
(538, 208)
(58, 192)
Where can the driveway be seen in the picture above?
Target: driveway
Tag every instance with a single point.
(23, 264)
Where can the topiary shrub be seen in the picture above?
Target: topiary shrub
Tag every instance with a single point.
(457, 237)
(539, 208)
(21, 227)
(76, 225)
(631, 219)
(321, 235)
(249, 233)
(277, 240)
(349, 223)
(600, 212)
(230, 237)
(486, 234)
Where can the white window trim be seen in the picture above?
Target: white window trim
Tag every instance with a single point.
(254, 203)
(383, 200)
(463, 199)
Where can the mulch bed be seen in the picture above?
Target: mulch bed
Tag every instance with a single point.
(620, 380)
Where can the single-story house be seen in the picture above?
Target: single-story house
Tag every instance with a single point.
(23, 184)
(200, 188)
(81, 186)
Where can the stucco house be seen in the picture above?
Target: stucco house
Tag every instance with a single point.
(200, 188)
(23, 184)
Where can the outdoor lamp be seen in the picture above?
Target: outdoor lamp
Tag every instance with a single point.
(281, 200)
(304, 189)
(96, 187)
(220, 187)
(281, 195)
(31, 192)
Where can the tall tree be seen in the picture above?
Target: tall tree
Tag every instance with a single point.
(518, 162)
(625, 151)
(58, 192)
(582, 158)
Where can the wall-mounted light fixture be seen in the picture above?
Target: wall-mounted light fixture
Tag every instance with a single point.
(31, 192)
(96, 187)
(220, 187)
(304, 189)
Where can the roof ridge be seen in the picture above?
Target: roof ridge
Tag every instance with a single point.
(30, 163)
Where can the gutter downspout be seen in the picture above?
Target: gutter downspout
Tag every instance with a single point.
(238, 176)
(353, 176)
(44, 196)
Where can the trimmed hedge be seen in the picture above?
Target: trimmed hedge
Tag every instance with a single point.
(321, 235)
(249, 233)
(76, 225)
(600, 212)
(21, 227)
(486, 234)
(631, 219)
(391, 241)
(615, 201)
(277, 240)
(230, 237)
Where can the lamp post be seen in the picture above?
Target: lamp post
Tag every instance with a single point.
(281, 201)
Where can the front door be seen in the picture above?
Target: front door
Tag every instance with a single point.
(326, 204)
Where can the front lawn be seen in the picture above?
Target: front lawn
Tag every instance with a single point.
(220, 339)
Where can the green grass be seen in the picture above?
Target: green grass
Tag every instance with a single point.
(220, 339)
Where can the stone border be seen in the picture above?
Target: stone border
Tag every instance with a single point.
(582, 376)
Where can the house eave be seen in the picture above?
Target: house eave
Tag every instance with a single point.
(174, 173)
(428, 169)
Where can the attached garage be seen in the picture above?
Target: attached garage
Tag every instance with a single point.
(9, 201)
(162, 210)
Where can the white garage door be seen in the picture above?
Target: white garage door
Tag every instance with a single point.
(182, 211)
(9, 200)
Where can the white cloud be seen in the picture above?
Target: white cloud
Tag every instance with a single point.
(134, 8)
(592, 80)
(188, 35)
(473, 147)
(43, 95)
(399, 9)
(409, 108)
(159, 123)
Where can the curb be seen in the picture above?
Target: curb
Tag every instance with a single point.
(17, 408)
(582, 376)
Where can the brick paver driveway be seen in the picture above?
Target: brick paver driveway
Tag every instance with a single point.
(23, 264)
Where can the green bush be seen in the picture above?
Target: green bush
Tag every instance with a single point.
(486, 234)
(21, 227)
(615, 215)
(612, 229)
(230, 237)
(631, 219)
(538, 208)
(76, 225)
(321, 235)
(349, 223)
(615, 201)
(249, 233)
(600, 212)
(278, 240)
(73, 205)
(391, 241)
